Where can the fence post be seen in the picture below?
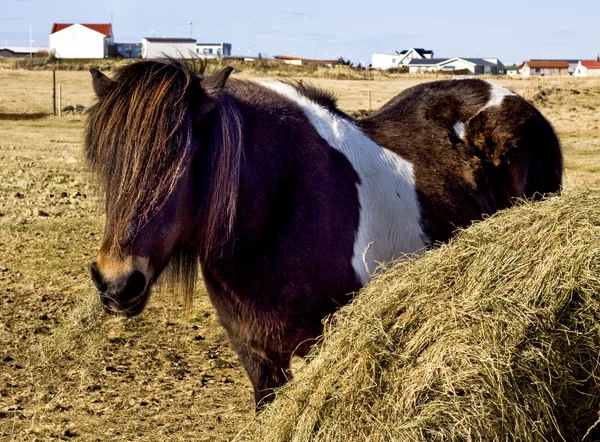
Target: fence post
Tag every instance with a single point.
(370, 107)
(60, 100)
(54, 91)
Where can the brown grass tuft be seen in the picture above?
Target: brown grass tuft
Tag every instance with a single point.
(492, 337)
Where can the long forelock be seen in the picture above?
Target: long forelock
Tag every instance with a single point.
(137, 141)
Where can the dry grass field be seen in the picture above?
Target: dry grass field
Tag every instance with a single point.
(69, 372)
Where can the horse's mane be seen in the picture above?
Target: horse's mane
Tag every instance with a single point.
(322, 97)
(138, 140)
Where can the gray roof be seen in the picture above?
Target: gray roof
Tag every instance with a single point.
(171, 40)
(436, 61)
(478, 61)
(24, 49)
(427, 61)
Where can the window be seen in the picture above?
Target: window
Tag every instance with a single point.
(219, 51)
(208, 51)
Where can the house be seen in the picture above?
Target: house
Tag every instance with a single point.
(545, 68)
(588, 68)
(129, 50)
(168, 47)
(572, 63)
(299, 61)
(414, 53)
(386, 61)
(512, 70)
(75, 40)
(420, 66)
(20, 51)
(496, 67)
(458, 65)
(213, 50)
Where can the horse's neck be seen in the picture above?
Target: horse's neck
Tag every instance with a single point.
(293, 188)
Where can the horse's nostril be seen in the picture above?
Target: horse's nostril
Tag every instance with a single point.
(97, 277)
(135, 284)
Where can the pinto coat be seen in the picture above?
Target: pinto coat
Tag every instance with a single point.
(288, 204)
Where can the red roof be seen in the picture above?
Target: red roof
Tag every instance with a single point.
(101, 27)
(551, 64)
(591, 64)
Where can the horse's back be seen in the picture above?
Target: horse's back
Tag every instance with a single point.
(474, 146)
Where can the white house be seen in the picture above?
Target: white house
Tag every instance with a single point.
(512, 70)
(587, 68)
(470, 66)
(420, 66)
(213, 50)
(414, 54)
(168, 47)
(75, 40)
(388, 60)
(384, 61)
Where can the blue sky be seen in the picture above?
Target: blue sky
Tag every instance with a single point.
(512, 30)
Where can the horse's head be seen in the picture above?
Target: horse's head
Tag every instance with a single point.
(143, 143)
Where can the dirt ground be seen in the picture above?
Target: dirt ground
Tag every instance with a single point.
(69, 372)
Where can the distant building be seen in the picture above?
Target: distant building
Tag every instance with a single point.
(426, 65)
(168, 47)
(512, 70)
(213, 50)
(75, 40)
(299, 61)
(588, 68)
(20, 51)
(384, 61)
(469, 66)
(397, 59)
(572, 63)
(539, 68)
(129, 50)
(414, 54)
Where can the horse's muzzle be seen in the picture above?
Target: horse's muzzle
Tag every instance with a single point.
(127, 295)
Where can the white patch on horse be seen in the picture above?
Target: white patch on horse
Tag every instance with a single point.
(459, 128)
(389, 214)
(497, 94)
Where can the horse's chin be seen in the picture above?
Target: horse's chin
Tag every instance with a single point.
(130, 308)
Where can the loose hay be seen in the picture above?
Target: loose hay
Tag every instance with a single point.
(495, 336)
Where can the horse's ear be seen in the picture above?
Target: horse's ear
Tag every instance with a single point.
(102, 84)
(214, 84)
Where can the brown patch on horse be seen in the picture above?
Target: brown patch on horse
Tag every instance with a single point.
(521, 146)
(508, 151)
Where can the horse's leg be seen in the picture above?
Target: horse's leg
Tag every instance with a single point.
(266, 372)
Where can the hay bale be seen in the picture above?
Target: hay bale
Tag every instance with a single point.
(495, 336)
